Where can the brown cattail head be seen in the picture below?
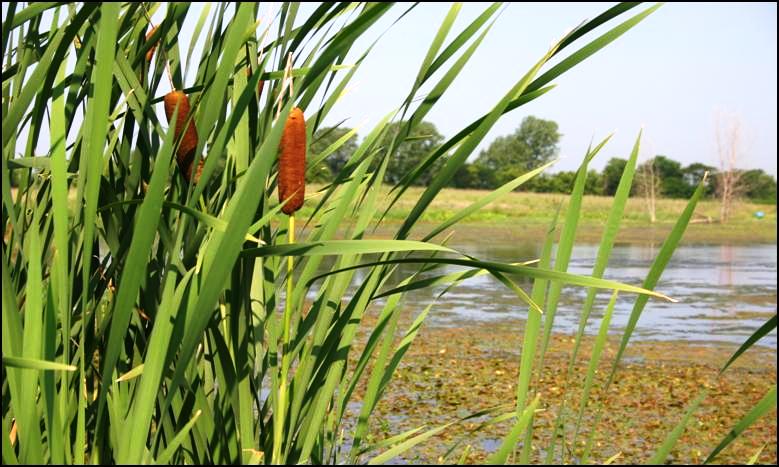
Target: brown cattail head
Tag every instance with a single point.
(185, 154)
(198, 172)
(292, 162)
(150, 52)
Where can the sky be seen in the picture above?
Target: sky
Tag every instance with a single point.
(672, 75)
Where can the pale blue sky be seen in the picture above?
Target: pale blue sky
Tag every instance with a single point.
(671, 74)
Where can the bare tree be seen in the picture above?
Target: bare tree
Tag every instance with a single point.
(648, 184)
(729, 151)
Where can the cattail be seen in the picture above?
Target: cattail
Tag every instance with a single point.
(292, 162)
(185, 154)
(198, 172)
(150, 52)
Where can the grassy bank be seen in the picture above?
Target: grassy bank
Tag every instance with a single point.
(453, 371)
(525, 215)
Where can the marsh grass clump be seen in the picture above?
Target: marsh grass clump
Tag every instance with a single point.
(146, 321)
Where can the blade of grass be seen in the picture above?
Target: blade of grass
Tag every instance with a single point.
(660, 456)
(342, 247)
(497, 193)
(31, 446)
(164, 458)
(765, 405)
(769, 326)
(563, 277)
(597, 350)
(395, 451)
(135, 270)
(565, 245)
(530, 339)
(655, 271)
(589, 49)
(607, 241)
(35, 364)
(467, 147)
(510, 441)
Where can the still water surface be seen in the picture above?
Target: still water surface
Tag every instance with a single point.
(725, 292)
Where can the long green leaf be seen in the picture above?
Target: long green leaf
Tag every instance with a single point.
(497, 193)
(562, 277)
(343, 247)
(765, 405)
(769, 326)
(135, 270)
(597, 350)
(655, 271)
(565, 246)
(660, 456)
(510, 441)
(395, 451)
(35, 364)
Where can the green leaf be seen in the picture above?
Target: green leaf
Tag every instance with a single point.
(607, 243)
(395, 451)
(565, 246)
(765, 405)
(562, 277)
(510, 441)
(466, 148)
(589, 49)
(134, 373)
(769, 326)
(497, 193)
(597, 351)
(664, 450)
(342, 247)
(164, 458)
(655, 271)
(138, 259)
(36, 364)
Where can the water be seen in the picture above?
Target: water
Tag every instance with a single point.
(725, 292)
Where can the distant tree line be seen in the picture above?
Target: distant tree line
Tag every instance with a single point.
(532, 144)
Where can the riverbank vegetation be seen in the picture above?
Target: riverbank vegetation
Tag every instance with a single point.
(533, 212)
(535, 142)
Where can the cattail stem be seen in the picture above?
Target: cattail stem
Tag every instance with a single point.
(164, 54)
(278, 418)
(290, 282)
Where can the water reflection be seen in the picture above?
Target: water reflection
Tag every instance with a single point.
(725, 268)
(725, 292)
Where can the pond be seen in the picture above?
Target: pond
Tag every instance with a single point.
(725, 292)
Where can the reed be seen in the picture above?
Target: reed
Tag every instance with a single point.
(143, 319)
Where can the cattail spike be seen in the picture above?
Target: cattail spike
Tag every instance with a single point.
(150, 52)
(292, 162)
(185, 154)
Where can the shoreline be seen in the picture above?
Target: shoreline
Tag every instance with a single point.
(695, 234)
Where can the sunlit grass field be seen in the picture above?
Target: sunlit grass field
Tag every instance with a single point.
(534, 210)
